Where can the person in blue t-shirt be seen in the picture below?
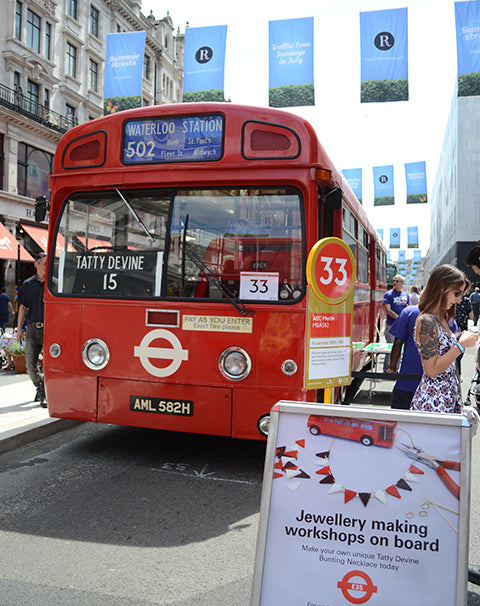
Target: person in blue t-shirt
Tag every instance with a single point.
(402, 330)
(394, 300)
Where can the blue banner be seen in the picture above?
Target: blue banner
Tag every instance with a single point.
(383, 185)
(204, 60)
(412, 237)
(416, 180)
(384, 55)
(291, 62)
(401, 256)
(417, 256)
(354, 179)
(124, 65)
(395, 237)
(380, 233)
(467, 22)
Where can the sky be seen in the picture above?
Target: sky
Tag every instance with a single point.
(354, 134)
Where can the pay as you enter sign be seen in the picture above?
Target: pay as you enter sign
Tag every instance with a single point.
(331, 271)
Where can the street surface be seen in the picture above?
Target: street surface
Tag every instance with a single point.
(100, 515)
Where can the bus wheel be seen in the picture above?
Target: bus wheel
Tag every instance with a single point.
(314, 430)
(366, 440)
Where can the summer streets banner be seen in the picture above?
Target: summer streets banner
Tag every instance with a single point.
(395, 237)
(384, 55)
(204, 63)
(383, 185)
(123, 71)
(354, 179)
(467, 21)
(416, 178)
(291, 63)
(412, 237)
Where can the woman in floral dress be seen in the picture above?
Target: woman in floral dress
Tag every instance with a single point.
(439, 388)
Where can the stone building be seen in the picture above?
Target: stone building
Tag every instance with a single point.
(51, 78)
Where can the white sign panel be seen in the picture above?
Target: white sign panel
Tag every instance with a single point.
(262, 286)
(362, 506)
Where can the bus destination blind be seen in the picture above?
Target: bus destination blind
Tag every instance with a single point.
(175, 139)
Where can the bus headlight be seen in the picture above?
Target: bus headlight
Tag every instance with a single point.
(95, 354)
(234, 364)
(55, 350)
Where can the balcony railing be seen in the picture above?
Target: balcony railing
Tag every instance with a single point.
(18, 102)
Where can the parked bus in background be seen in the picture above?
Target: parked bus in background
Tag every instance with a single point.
(366, 431)
(178, 238)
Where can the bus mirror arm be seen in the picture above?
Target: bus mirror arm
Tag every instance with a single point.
(333, 198)
(213, 278)
(41, 207)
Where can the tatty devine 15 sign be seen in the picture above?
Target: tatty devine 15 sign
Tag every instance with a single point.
(331, 271)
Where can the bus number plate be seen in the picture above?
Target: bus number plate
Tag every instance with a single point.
(182, 408)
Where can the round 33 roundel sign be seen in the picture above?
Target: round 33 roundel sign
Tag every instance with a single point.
(331, 270)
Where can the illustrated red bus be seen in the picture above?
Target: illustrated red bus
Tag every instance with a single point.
(178, 238)
(366, 431)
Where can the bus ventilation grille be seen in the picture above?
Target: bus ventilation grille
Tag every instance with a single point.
(261, 140)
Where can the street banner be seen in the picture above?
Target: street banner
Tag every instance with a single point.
(291, 79)
(384, 55)
(417, 256)
(401, 256)
(383, 185)
(412, 237)
(331, 272)
(416, 180)
(354, 179)
(123, 71)
(380, 233)
(467, 22)
(363, 506)
(395, 237)
(204, 63)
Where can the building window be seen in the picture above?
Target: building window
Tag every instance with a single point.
(93, 75)
(33, 92)
(94, 21)
(70, 113)
(33, 169)
(146, 67)
(33, 31)
(72, 8)
(71, 67)
(48, 40)
(18, 21)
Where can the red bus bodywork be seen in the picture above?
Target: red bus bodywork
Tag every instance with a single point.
(165, 351)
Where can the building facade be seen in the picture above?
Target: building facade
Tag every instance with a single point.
(51, 78)
(455, 196)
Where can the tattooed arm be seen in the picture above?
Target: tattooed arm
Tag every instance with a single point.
(426, 334)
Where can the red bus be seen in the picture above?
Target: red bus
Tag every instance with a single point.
(366, 431)
(178, 238)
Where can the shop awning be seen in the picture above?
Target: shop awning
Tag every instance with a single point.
(39, 234)
(9, 247)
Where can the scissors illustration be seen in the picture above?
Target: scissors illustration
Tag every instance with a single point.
(416, 453)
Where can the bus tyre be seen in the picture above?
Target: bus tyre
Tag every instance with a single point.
(366, 440)
(315, 430)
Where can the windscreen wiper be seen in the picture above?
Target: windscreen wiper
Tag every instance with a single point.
(134, 213)
(213, 278)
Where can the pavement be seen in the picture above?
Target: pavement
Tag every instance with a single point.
(21, 419)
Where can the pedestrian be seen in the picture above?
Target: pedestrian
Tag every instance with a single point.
(439, 388)
(475, 303)
(394, 300)
(463, 313)
(402, 329)
(32, 309)
(473, 258)
(6, 308)
(413, 296)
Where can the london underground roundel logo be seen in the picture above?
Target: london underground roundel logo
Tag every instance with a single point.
(357, 587)
(331, 270)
